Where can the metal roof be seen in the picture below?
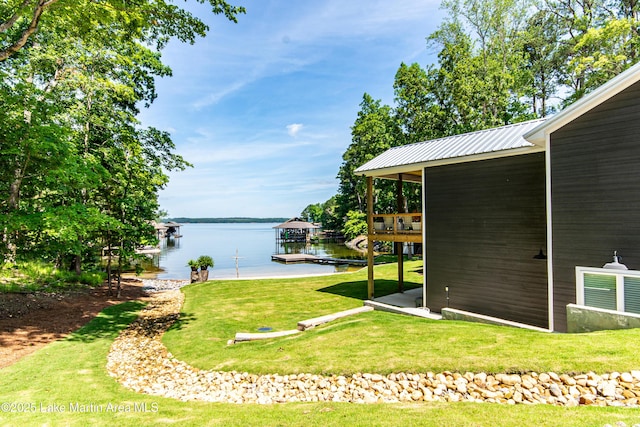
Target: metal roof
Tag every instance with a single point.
(296, 223)
(496, 140)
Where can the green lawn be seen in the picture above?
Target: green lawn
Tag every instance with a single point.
(213, 312)
(71, 374)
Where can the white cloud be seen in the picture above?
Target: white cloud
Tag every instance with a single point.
(294, 128)
(215, 97)
(222, 155)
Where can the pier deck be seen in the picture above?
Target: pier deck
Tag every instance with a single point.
(293, 258)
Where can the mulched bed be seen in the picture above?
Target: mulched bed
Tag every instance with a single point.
(33, 320)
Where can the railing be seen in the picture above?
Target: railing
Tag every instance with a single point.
(610, 289)
(407, 223)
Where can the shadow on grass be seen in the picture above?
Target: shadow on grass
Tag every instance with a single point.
(183, 320)
(108, 323)
(358, 289)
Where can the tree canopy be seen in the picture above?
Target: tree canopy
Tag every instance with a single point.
(78, 171)
(498, 62)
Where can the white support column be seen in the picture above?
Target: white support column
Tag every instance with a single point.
(547, 156)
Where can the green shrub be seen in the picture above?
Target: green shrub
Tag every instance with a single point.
(92, 278)
(34, 276)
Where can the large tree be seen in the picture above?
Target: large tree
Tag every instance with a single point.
(77, 171)
(374, 131)
(482, 67)
(417, 111)
(150, 21)
(599, 39)
(543, 61)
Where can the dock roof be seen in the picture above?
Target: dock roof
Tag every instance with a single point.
(296, 223)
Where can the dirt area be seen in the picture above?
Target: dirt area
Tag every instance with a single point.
(31, 321)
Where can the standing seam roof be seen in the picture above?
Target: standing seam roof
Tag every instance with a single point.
(468, 144)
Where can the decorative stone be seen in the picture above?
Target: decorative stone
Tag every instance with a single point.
(555, 390)
(608, 389)
(566, 379)
(571, 402)
(626, 377)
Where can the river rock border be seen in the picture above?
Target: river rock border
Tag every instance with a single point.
(140, 362)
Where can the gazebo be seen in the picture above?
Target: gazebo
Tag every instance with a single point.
(295, 230)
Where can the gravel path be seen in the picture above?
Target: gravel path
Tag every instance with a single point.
(157, 285)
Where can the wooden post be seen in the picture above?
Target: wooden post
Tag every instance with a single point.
(370, 279)
(400, 203)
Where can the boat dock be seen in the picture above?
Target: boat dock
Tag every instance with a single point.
(293, 258)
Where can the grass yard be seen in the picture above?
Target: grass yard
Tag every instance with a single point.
(370, 342)
(66, 382)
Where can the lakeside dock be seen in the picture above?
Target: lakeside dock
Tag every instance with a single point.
(296, 258)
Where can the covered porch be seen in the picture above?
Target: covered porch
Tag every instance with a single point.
(399, 228)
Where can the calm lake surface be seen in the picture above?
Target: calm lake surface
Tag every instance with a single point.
(255, 243)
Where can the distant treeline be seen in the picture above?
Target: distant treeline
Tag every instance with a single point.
(226, 220)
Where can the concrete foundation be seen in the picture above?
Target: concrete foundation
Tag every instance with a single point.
(588, 319)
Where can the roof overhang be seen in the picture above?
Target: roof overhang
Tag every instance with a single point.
(413, 172)
(410, 160)
(538, 135)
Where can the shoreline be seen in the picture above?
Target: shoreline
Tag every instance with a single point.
(257, 277)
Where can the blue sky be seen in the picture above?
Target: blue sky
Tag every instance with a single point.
(264, 108)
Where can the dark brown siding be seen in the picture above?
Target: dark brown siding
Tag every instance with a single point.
(595, 171)
(485, 222)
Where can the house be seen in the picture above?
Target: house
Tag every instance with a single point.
(517, 222)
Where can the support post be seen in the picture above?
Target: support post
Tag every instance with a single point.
(370, 279)
(400, 209)
(423, 222)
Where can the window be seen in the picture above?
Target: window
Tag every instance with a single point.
(617, 290)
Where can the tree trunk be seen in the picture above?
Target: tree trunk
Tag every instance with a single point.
(118, 283)
(109, 282)
(77, 264)
(13, 203)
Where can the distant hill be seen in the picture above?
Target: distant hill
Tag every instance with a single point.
(232, 220)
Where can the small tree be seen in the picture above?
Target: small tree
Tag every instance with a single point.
(356, 225)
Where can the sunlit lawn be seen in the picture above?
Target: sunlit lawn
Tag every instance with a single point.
(370, 342)
(71, 374)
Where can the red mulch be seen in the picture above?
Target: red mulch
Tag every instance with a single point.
(31, 321)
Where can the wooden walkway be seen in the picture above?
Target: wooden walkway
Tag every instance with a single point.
(292, 258)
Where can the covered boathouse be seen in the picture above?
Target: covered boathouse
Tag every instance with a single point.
(295, 230)
(520, 223)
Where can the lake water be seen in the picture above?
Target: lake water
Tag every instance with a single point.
(255, 243)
